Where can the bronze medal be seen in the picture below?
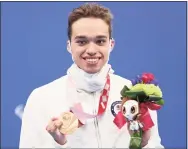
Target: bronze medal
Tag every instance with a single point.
(70, 123)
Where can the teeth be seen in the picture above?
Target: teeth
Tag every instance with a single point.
(92, 61)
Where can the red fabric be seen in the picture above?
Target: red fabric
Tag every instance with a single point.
(105, 93)
(119, 120)
(152, 106)
(146, 121)
(145, 118)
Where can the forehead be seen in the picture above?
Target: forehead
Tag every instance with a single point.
(90, 27)
(130, 103)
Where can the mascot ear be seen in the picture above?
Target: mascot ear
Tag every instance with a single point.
(123, 91)
(124, 99)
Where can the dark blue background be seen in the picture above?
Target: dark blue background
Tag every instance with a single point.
(150, 37)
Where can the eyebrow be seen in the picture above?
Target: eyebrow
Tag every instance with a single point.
(80, 37)
(85, 37)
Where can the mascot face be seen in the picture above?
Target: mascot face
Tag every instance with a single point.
(130, 109)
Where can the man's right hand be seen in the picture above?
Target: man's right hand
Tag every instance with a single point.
(53, 129)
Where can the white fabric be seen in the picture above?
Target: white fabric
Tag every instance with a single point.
(89, 82)
(51, 100)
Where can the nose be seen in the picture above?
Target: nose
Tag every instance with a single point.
(128, 117)
(91, 49)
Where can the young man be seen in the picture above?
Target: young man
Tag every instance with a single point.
(90, 43)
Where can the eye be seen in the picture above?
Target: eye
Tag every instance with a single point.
(100, 41)
(124, 110)
(81, 42)
(133, 109)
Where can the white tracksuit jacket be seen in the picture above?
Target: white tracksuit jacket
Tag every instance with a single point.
(49, 101)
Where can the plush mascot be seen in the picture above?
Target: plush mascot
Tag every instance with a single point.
(143, 95)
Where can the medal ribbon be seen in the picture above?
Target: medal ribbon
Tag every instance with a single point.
(82, 116)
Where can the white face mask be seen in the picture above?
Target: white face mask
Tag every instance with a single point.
(89, 82)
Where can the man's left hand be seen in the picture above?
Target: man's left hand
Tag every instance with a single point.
(145, 135)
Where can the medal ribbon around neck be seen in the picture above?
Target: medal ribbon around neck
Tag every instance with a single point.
(82, 116)
(76, 117)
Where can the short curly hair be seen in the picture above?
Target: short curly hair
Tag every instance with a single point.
(90, 10)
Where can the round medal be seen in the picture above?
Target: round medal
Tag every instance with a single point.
(70, 123)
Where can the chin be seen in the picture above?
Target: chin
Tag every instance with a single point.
(89, 68)
(92, 70)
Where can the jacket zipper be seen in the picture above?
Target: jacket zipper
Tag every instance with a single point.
(96, 124)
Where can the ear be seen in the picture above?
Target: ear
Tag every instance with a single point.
(69, 46)
(112, 44)
(123, 102)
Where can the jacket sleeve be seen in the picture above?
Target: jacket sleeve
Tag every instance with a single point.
(33, 130)
(155, 140)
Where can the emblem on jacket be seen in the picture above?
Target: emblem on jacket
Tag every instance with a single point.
(115, 107)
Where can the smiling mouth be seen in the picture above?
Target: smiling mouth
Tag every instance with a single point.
(93, 60)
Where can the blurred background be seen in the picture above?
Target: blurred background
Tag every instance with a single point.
(150, 37)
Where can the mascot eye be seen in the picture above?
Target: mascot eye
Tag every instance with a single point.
(124, 110)
(133, 110)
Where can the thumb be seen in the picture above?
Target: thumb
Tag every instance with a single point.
(58, 123)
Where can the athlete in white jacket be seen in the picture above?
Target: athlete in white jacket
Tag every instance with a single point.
(90, 43)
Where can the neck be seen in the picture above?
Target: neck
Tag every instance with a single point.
(90, 82)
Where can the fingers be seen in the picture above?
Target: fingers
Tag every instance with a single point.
(58, 123)
(54, 118)
(145, 137)
(52, 129)
(53, 125)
